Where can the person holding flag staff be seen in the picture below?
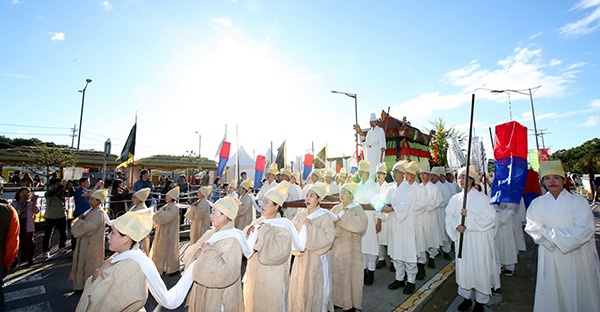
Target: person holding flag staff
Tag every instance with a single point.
(217, 275)
(272, 239)
(347, 258)
(310, 281)
(477, 272)
(165, 247)
(562, 224)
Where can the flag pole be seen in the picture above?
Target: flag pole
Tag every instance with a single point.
(466, 186)
(237, 155)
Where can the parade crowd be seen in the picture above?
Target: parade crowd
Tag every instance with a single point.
(310, 258)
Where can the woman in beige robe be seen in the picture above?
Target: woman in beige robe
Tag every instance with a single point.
(88, 228)
(268, 268)
(199, 214)
(165, 247)
(347, 258)
(310, 279)
(217, 275)
(122, 281)
(138, 200)
(244, 217)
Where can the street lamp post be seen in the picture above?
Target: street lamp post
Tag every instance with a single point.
(87, 81)
(199, 142)
(352, 95)
(529, 92)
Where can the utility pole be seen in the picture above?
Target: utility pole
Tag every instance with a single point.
(74, 129)
(541, 134)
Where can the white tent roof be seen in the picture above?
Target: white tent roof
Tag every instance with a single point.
(245, 160)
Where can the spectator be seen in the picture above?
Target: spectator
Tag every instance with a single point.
(55, 216)
(27, 180)
(93, 180)
(9, 242)
(2, 200)
(184, 188)
(169, 184)
(118, 196)
(37, 181)
(162, 180)
(16, 178)
(26, 207)
(121, 176)
(144, 182)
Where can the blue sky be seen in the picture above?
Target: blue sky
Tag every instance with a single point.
(269, 68)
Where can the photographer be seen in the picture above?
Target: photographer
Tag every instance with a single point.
(55, 215)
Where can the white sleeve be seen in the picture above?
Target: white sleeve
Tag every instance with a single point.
(175, 296)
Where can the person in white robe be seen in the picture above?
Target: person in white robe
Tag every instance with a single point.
(505, 237)
(341, 176)
(562, 224)
(402, 243)
(476, 271)
(374, 144)
(433, 237)
(334, 189)
(293, 192)
(382, 236)
(412, 168)
(368, 193)
(439, 178)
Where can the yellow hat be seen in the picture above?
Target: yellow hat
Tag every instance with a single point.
(400, 166)
(382, 168)
(174, 193)
(342, 173)
(100, 194)
(233, 184)
(350, 187)
(412, 167)
(228, 206)
(205, 190)
(435, 171)
(364, 165)
(279, 193)
(320, 188)
(296, 175)
(472, 172)
(286, 171)
(424, 166)
(247, 184)
(328, 173)
(316, 172)
(551, 167)
(272, 169)
(142, 194)
(136, 224)
(350, 178)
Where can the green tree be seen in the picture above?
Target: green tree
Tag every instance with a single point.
(584, 158)
(439, 145)
(46, 157)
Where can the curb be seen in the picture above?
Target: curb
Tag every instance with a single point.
(416, 301)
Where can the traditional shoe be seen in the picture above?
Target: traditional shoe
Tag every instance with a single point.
(380, 264)
(370, 278)
(465, 305)
(431, 263)
(365, 276)
(392, 268)
(508, 272)
(496, 291)
(396, 284)
(478, 307)
(447, 256)
(409, 289)
(421, 273)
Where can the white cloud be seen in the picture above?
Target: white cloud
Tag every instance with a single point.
(586, 25)
(60, 36)
(107, 5)
(15, 2)
(536, 35)
(222, 22)
(595, 104)
(591, 121)
(524, 68)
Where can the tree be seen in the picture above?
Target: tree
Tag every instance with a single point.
(439, 146)
(584, 158)
(43, 156)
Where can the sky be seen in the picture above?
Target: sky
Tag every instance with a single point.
(262, 72)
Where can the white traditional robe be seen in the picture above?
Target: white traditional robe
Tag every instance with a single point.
(446, 195)
(382, 236)
(433, 237)
(334, 189)
(419, 212)
(477, 269)
(374, 142)
(402, 243)
(264, 189)
(568, 274)
(367, 193)
(505, 237)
